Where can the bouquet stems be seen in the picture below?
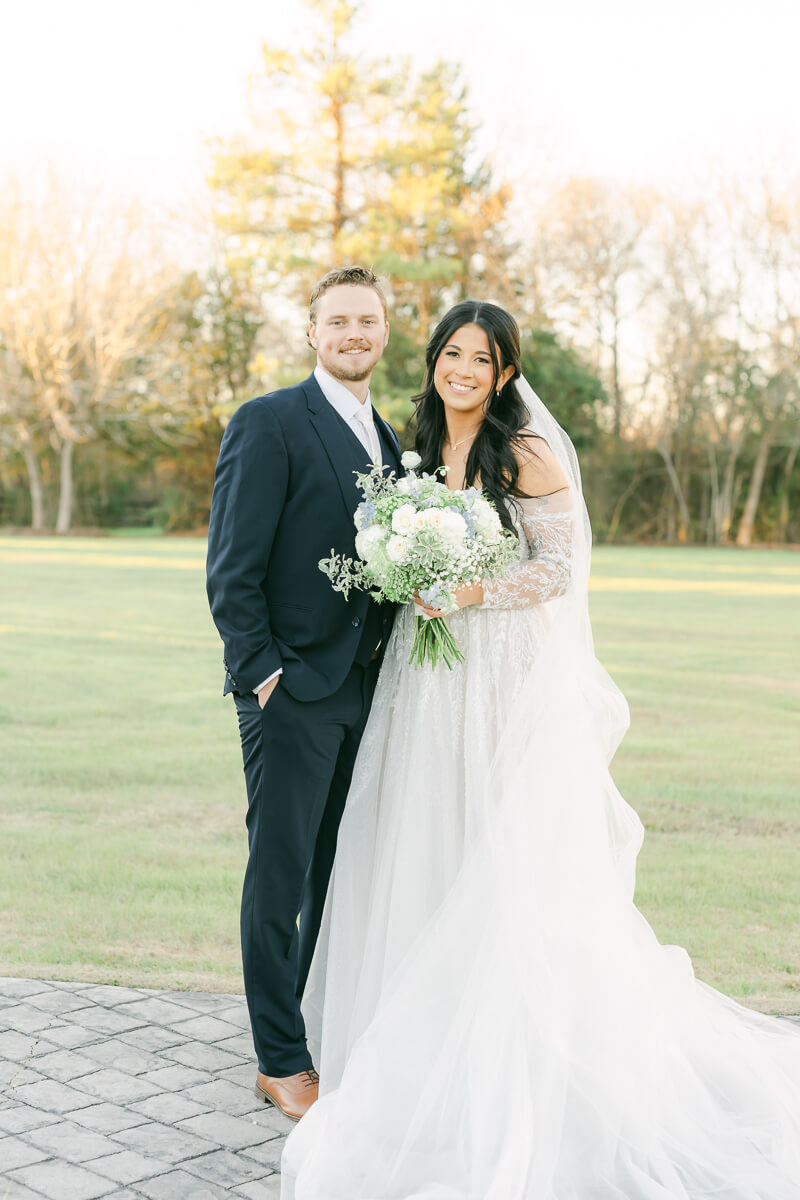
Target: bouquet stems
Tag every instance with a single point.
(432, 641)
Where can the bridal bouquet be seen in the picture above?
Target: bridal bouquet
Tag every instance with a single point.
(416, 535)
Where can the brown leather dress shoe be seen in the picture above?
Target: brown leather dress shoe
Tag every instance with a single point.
(293, 1094)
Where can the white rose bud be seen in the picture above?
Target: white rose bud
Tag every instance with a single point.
(411, 460)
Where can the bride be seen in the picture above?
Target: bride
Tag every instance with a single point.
(492, 1017)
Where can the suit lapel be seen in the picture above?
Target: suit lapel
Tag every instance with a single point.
(343, 449)
(390, 446)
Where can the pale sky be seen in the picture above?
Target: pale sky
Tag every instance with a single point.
(659, 91)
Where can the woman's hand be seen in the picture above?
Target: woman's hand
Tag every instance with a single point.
(465, 596)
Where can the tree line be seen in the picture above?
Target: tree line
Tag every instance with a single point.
(662, 333)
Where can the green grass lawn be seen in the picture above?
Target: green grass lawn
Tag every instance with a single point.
(122, 801)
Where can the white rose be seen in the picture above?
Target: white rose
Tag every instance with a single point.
(453, 525)
(410, 460)
(432, 518)
(403, 519)
(368, 540)
(397, 547)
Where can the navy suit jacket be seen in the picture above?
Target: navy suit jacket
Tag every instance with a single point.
(284, 497)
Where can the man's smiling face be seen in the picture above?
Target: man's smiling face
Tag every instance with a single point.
(350, 331)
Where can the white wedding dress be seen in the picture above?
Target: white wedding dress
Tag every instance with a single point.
(491, 1016)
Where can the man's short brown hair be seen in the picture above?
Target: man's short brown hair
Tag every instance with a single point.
(352, 276)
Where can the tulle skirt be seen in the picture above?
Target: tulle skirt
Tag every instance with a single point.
(492, 1017)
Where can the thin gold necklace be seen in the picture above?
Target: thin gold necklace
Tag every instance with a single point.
(455, 445)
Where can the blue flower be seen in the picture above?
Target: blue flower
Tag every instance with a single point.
(365, 514)
(432, 596)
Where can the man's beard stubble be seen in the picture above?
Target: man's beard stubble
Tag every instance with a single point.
(351, 374)
(354, 375)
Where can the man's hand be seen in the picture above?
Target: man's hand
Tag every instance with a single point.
(466, 595)
(267, 690)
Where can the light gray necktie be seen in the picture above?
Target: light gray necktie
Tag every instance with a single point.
(364, 417)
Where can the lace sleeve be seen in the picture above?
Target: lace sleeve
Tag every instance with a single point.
(546, 525)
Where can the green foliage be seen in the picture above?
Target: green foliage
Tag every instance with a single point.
(14, 501)
(217, 321)
(397, 377)
(114, 486)
(572, 393)
(186, 479)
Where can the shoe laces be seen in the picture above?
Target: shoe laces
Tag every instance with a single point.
(311, 1076)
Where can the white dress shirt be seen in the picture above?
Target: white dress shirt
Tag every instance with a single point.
(346, 405)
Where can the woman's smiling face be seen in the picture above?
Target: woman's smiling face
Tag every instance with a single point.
(464, 375)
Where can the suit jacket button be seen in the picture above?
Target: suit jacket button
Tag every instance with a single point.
(356, 622)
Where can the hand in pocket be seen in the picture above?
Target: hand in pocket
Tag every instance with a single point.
(267, 690)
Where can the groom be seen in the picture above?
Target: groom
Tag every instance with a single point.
(300, 660)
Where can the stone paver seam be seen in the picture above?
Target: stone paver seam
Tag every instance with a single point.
(156, 1022)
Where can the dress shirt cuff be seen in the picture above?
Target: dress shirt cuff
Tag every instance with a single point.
(269, 679)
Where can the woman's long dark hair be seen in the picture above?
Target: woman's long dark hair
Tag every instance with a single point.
(491, 455)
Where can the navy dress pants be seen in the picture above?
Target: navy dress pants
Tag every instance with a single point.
(298, 762)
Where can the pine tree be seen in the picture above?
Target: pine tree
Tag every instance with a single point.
(358, 160)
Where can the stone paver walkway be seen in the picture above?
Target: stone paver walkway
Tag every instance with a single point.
(126, 1093)
(123, 1093)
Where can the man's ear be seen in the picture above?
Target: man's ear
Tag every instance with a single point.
(312, 334)
(386, 336)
